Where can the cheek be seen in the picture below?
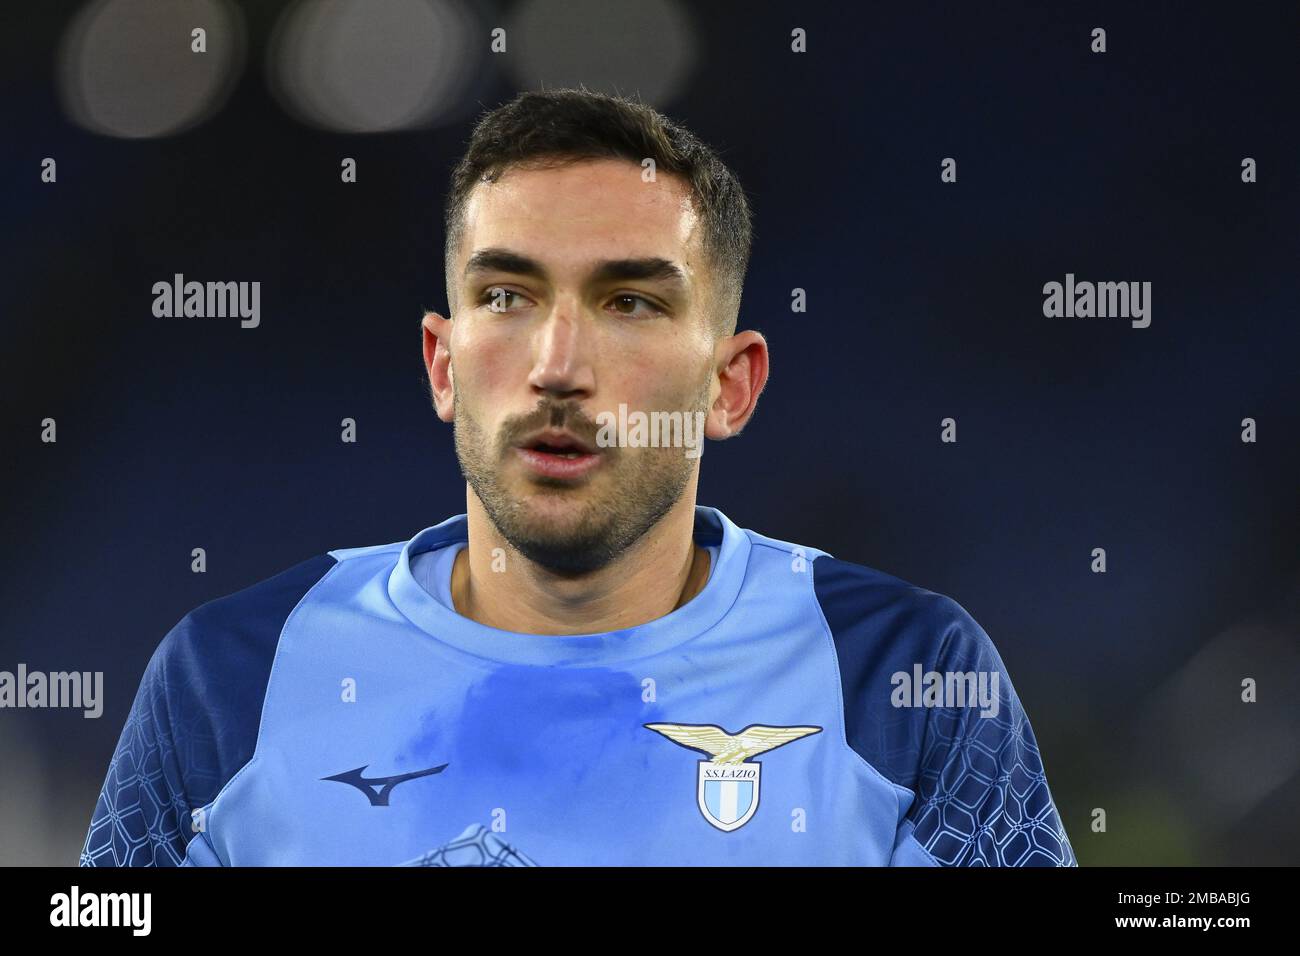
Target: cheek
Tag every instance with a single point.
(654, 371)
(489, 367)
(671, 391)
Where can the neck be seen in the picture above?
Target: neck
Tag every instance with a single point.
(657, 575)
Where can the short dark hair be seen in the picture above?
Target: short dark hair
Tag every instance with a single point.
(541, 129)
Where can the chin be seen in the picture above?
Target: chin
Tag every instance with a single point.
(547, 514)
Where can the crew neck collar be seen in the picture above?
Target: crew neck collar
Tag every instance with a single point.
(690, 620)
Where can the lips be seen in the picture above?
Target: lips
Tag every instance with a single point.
(558, 442)
(557, 454)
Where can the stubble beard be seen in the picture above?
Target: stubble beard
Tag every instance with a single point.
(630, 493)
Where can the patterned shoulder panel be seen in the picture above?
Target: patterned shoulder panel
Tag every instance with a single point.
(929, 703)
(193, 722)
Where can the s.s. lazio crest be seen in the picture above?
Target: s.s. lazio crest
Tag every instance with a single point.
(728, 784)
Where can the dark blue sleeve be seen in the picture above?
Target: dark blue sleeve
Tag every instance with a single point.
(981, 793)
(193, 722)
(142, 815)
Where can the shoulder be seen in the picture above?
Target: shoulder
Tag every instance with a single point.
(193, 722)
(229, 633)
(864, 606)
(881, 627)
(870, 613)
(206, 681)
(927, 701)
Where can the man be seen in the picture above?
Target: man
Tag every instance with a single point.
(586, 667)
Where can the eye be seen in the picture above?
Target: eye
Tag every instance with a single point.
(498, 298)
(627, 298)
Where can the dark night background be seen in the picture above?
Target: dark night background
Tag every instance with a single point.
(924, 301)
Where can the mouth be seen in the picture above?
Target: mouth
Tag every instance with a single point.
(558, 455)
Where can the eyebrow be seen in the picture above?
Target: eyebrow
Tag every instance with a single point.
(607, 270)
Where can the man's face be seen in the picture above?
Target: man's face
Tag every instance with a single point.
(578, 289)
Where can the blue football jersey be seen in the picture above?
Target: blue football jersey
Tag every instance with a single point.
(799, 710)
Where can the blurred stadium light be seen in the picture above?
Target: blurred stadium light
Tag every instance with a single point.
(126, 68)
(646, 49)
(357, 66)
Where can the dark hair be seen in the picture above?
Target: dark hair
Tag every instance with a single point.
(553, 127)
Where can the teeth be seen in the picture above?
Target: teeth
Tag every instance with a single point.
(569, 454)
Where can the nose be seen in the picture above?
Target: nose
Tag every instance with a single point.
(561, 364)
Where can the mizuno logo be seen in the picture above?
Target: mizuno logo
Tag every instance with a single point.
(379, 797)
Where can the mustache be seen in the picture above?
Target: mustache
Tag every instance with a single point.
(551, 414)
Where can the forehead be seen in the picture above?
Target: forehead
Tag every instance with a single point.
(577, 213)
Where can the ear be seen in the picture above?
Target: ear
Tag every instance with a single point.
(742, 373)
(437, 360)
